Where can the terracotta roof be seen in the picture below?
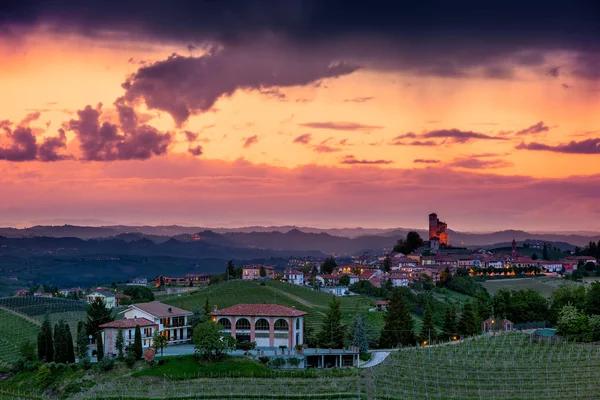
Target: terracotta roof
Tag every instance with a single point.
(263, 310)
(158, 309)
(128, 323)
(257, 266)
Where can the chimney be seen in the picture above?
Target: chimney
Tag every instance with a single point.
(215, 308)
(170, 310)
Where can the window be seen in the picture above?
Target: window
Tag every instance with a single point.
(261, 325)
(281, 325)
(225, 322)
(242, 323)
(297, 323)
(129, 333)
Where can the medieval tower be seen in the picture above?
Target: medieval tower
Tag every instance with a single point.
(438, 229)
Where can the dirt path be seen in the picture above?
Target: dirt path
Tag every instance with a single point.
(26, 317)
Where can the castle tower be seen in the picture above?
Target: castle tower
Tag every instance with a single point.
(514, 249)
(438, 229)
(433, 225)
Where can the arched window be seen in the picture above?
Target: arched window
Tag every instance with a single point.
(281, 325)
(261, 325)
(242, 324)
(297, 323)
(225, 322)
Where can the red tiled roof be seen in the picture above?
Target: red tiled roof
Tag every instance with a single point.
(256, 266)
(128, 323)
(263, 310)
(158, 309)
(382, 303)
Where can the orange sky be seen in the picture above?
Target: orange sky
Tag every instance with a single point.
(60, 74)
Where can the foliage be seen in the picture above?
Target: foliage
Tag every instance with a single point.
(207, 309)
(97, 314)
(428, 332)
(344, 280)
(464, 285)
(246, 346)
(106, 364)
(43, 377)
(399, 325)
(139, 293)
(520, 306)
(61, 352)
(572, 323)
(130, 359)
(277, 362)
(574, 295)
(545, 256)
(159, 341)
(450, 328)
(412, 242)
(46, 341)
(359, 334)
(295, 361)
(27, 350)
(197, 317)
(592, 299)
(262, 272)
(263, 359)
(82, 342)
(230, 269)
(332, 329)
(467, 325)
(328, 265)
(137, 343)
(120, 343)
(99, 346)
(70, 349)
(209, 344)
(387, 263)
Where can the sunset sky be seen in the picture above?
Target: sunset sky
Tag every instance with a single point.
(313, 113)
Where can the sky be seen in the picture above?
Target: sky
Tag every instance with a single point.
(315, 113)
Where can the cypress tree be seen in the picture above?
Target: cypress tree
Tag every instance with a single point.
(332, 331)
(450, 330)
(99, 346)
(137, 343)
(428, 330)
(70, 349)
(359, 338)
(82, 342)
(399, 325)
(49, 342)
(41, 343)
(97, 314)
(60, 343)
(468, 323)
(120, 343)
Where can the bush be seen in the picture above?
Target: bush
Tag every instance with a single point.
(107, 364)
(163, 361)
(295, 361)
(150, 363)
(27, 350)
(85, 363)
(43, 378)
(262, 284)
(263, 359)
(246, 345)
(277, 362)
(130, 359)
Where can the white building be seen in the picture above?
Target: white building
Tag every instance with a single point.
(171, 322)
(109, 297)
(269, 325)
(292, 276)
(335, 290)
(138, 281)
(399, 279)
(111, 330)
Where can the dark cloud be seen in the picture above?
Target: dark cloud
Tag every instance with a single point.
(250, 141)
(304, 139)
(183, 86)
(195, 151)
(340, 126)
(358, 100)
(534, 129)
(24, 147)
(48, 150)
(475, 163)
(353, 160)
(424, 143)
(409, 135)
(323, 148)
(190, 136)
(458, 136)
(274, 93)
(106, 142)
(30, 118)
(555, 72)
(425, 161)
(588, 146)
(566, 86)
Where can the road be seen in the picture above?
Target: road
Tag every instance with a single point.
(378, 357)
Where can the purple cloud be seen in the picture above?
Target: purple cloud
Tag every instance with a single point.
(359, 100)
(195, 151)
(250, 141)
(190, 136)
(353, 160)
(588, 146)
(458, 136)
(534, 129)
(425, 161)
(323, 148)
(474, 163)
(340, 126)
(24, 147)
(303, 139)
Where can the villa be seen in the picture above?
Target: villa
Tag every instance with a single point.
(269, 325)
(170, 321)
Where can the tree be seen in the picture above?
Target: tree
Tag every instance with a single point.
(209, 344)
(159, 342)
(262, 272)
(60, 343)
(467, 325)
(572, 323)
(99, 346)
(137, 343)
(207, 309)
(97, 314)
(412, 242)
(359, 334)
(69, 339)
(428, 332)
(534, 256)
(27, 350)
(332, 331)
(387, 263)
(120, 343)
(450, 329)
(344, 281)
(564, 295)
(592, 300)
(399, 325)
(545, 253)
(328, 265)
(82, 342)
(139, 293)
(230, 269)
(196, 319)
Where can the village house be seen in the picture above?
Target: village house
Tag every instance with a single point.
(66, 292)
(170, 321)
(22, 292)
(292, 276)
(382, 305)
(111, 330)
(193, 279)
(269, 325)
(137, 281)
(399, 279)
(497, 325)
(197, 279)
(109, 297)
(351, 269)
(403, 262)
(575, 259)
(551, 266)
(252, 272)
(335, 290)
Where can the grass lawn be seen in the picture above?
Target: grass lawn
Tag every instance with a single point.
(187, 367)
(544, 285)
(14, 330)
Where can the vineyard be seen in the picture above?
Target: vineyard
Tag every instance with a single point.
(491, 367)
(20, 318)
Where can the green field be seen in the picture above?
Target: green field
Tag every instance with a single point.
(14, 330)
(544, 285)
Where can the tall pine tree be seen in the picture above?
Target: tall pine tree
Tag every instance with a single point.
(97, 314)
(70, 349)
(82, 342)
(428, 332)
(450, 329)
(60, 343)
(46, 342)
(332, 331)
(359, 334)
(137, 343)
(120, 343)
(467, 325)
(399, 325)
(99, 346)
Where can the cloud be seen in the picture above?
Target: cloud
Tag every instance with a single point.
(475, 163)
(409, 135)
(534, 129)
(30, 118)
(24, 146)
(588, 146)
(353, 160)
(48, 150)
(340, 126)
(323, 148)
(458, 136)
(184, 86)
(303, 139)
(554, 72)
(359, 100)
(425, 161)
(195, 151)
(566, 86)
(106, 142)
(250, 141)
(190, 136)
(424, 143)
(274, 93)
